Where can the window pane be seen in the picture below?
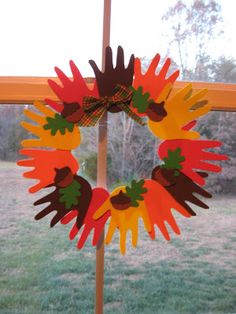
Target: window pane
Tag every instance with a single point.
(198, 35)
(38, 35)
(43, 272)
(128, 139)
(11, 133)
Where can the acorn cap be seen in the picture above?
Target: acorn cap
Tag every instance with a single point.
(164, 176)
(156, 111)
(121, 201)
(72, 112)
(63, 177)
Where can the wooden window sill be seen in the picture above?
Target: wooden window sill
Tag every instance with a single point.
(25, 90)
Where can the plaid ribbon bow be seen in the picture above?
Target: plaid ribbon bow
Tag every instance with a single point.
(94, 108)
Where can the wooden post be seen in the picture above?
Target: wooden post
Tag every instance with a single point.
(102, 165)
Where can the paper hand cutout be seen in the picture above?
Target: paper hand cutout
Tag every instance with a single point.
(44, 163)
(195, 156)
(153, 83)
(124, 218)
(70, 91)
(99, 196)
(63, 201)
(181, 187)
(67, 141)
(108, 80)
(179, 114)
(159, 205)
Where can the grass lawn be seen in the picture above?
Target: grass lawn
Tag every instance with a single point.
(43, 272)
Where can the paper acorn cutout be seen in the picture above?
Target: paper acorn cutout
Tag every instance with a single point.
(175, 184)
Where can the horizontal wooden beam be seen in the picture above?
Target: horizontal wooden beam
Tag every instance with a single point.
(221, 96)
(25, 90)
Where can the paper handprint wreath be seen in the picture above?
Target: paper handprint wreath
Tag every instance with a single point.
(173, 185)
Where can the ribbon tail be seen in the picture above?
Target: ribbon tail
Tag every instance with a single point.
(131, 114)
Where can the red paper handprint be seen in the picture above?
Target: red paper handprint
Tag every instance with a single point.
(71, 91)
(195, 156)
(99, 196)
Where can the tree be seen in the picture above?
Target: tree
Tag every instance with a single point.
(191, 26)
(11, 133)
(222, 126)
(223, 70)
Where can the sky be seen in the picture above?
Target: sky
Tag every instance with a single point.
(38, 35)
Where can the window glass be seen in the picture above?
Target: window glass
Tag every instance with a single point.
(38, 35)
(197, 35)
(133, 150)
(193, 272)
(43, 272)
(125, 141)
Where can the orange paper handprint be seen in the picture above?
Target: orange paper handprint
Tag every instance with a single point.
(44, 163)
(153, 82)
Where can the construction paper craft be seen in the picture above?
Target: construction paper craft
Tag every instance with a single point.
(99, 196)
(181, 187)
(175, 185)
(96, 107)
(179, 114)
(178, 185)
(123, 218)
(70, 91)
(152, 84)
(85, 108)
(159, 204)
(113, 76)
(67, 141)
(75, 196)
(58, 124)
(144, 104)
(195, 155)
(44, 163)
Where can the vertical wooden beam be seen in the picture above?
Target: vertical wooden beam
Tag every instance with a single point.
(102, 165)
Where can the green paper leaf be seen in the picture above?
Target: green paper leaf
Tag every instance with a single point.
(58, 123)
(173, 160)
(135, 192)
(140, 100)
(70, 194)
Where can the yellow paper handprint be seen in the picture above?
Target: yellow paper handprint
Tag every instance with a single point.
(124, 216)
(67, 141)
(179, 113)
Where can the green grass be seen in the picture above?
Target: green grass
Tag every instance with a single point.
(43, 272)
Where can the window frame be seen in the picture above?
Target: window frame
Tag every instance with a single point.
(27, 89)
